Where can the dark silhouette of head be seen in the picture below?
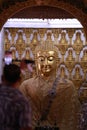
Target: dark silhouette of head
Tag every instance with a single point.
(11, 73)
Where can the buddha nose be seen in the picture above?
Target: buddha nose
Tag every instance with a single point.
(46, 61)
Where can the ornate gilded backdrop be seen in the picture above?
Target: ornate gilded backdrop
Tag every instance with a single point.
(71, 43)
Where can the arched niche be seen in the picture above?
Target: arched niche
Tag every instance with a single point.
(12, 8)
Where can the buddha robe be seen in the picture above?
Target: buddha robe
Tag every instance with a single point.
(64, 108)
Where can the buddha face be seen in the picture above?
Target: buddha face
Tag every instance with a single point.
(46, 62)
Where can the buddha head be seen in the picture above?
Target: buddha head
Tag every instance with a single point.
(46, 58)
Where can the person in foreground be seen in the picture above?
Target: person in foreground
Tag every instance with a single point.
(15, 109)
(54, 101)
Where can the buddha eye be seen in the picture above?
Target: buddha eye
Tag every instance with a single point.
(41, 59)
(51, 58)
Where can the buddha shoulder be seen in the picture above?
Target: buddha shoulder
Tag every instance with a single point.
(64, 82)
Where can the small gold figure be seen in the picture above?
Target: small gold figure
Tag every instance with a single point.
(63, 43)
(70, 61)
(83, 61)
(27, 55)
(63, 72)
(77, 77)
(34, 42)
(13, 54)
(7, 42)
(78, 43)
(20, 45)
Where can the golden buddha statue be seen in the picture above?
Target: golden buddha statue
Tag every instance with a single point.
(53, 99)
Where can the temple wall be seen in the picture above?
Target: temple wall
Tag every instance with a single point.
(71, 43)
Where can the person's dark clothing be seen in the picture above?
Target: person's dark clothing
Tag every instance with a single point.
(15, 111)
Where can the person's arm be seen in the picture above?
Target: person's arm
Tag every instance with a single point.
(25, 117)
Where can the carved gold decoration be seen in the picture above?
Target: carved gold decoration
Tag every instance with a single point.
(56, 35)
(20, 44)
(70, 34)
(83, 61)
(62, 72)
(70, 48)
(78, 44)
(34, 41)
(13, 34)
(70, 61)
(13, 54)
(49, 37)
(27, 32)
(42, 32)
(84, 58)
(77, 78)
(7, 42)
(63, 43)
(27, 55)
